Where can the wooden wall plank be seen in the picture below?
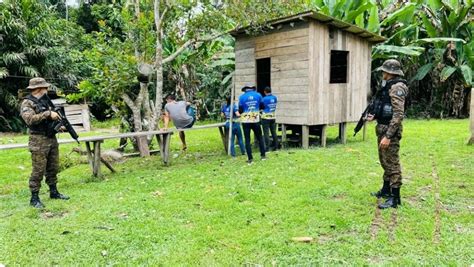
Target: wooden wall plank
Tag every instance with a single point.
(301, 48)
(283, 34)
(271, 44)
(297, 57)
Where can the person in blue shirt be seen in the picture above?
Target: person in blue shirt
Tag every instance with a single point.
(236, 131)
(268, 118)
(249, 108)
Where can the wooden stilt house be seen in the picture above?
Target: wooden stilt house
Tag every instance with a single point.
(318, 67)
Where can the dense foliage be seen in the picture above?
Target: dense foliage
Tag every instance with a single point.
(94, 50)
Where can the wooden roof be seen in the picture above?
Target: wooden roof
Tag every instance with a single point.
(325, 19)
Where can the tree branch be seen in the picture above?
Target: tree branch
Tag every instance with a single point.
(189, 43)
(162, 17)
(128, 101)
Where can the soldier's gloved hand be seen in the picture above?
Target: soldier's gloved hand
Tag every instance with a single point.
(54, 116)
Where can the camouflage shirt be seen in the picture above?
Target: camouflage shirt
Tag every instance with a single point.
(33, 114)
(398, 93)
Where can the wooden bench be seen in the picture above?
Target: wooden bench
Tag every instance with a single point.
(93, 151)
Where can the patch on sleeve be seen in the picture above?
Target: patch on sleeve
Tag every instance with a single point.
(400, 92)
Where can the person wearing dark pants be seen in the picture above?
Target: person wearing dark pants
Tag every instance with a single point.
(268, 118)
(39, 116)
(249, 107)
(389, 111)
(255, 127)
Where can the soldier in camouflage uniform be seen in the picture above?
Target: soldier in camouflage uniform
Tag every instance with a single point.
(389, 111)
(43, 145)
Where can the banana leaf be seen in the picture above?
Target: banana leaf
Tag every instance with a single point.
(447, 72)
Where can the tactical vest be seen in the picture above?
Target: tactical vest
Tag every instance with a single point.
(45, 127)
(383, 102)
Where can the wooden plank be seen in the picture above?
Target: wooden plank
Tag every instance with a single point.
(293, 105)
(86, 119)
(291, 81)
(261, 46)
(290, 57)
(75, 121)
(303, 97)
(289, 89)
(245, 65)
(244, 72)
(284, 74)
(244, 78)
(292, 65)
(244, 43)
(245, 55)
(289, 33)
(327, 62)
(107, 164)
(292, 120)
(302, 48)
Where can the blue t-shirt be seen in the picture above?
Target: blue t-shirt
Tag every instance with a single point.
(226, 110)
(269, 107)
(249, 103)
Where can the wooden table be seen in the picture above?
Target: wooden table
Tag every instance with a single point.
(93, 144)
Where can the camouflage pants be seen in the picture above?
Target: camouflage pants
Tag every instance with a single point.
(45, 161)
(389, 158)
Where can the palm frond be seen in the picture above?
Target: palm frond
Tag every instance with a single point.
(14, 58)
(29, 71)
(3, 72)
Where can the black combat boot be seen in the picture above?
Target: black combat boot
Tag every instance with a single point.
(384, 192)
(54, 193)
(35, 200)
(393, 201)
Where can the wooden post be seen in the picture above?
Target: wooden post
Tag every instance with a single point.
(223, 137)
(107, 164)
(343, 132)
(167, 148)
(283, 136)
(164, 143)
(471, 140)
(305, 136)
(323, 135)
(96, 169)
(90, 156)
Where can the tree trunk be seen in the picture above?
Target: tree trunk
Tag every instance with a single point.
(159, 68)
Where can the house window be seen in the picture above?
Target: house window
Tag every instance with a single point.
(338, 72)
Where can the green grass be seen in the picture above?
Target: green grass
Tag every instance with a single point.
(207, 209)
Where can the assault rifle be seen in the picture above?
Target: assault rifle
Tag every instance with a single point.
(369, 109)
(63, 121)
